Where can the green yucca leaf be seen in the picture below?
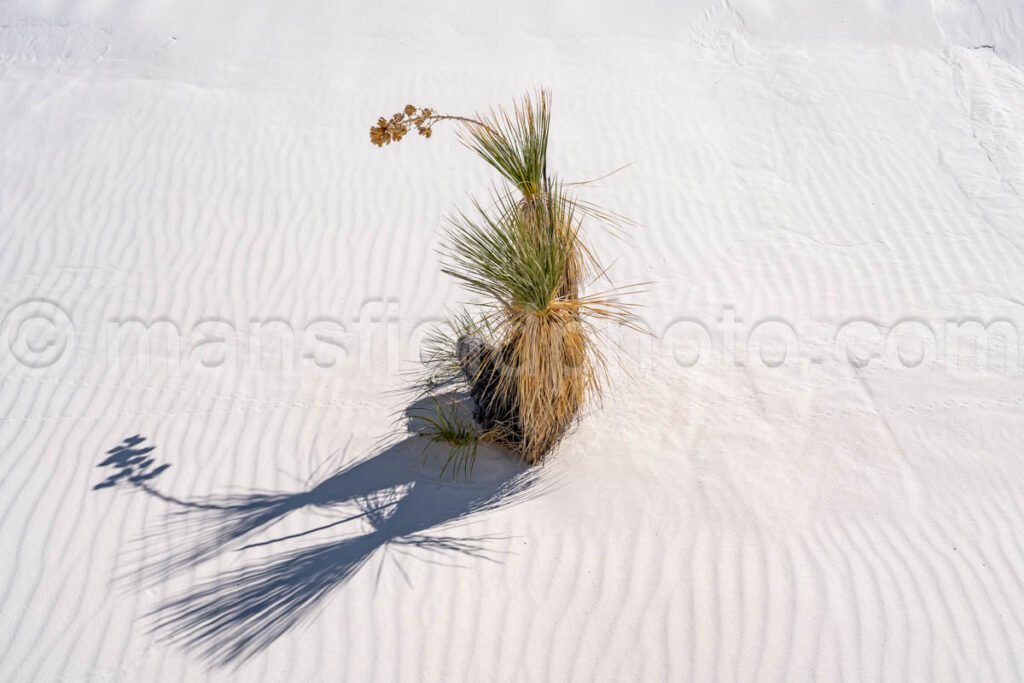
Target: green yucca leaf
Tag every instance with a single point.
(515, 252)
(516, 143)
(438, 355)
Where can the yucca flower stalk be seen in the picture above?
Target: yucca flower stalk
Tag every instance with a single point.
(528, 353)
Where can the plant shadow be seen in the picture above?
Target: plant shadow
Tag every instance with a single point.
(391, 496)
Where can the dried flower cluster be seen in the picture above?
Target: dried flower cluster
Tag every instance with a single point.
(394, 129)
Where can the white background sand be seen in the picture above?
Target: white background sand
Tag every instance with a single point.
(850, 169)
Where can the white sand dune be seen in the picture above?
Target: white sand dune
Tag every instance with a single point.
(841, 181)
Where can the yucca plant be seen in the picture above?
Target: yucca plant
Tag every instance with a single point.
(527, 354)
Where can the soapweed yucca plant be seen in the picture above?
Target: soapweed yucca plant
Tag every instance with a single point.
(528, 354)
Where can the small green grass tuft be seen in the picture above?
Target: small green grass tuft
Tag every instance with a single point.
(446, 427)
